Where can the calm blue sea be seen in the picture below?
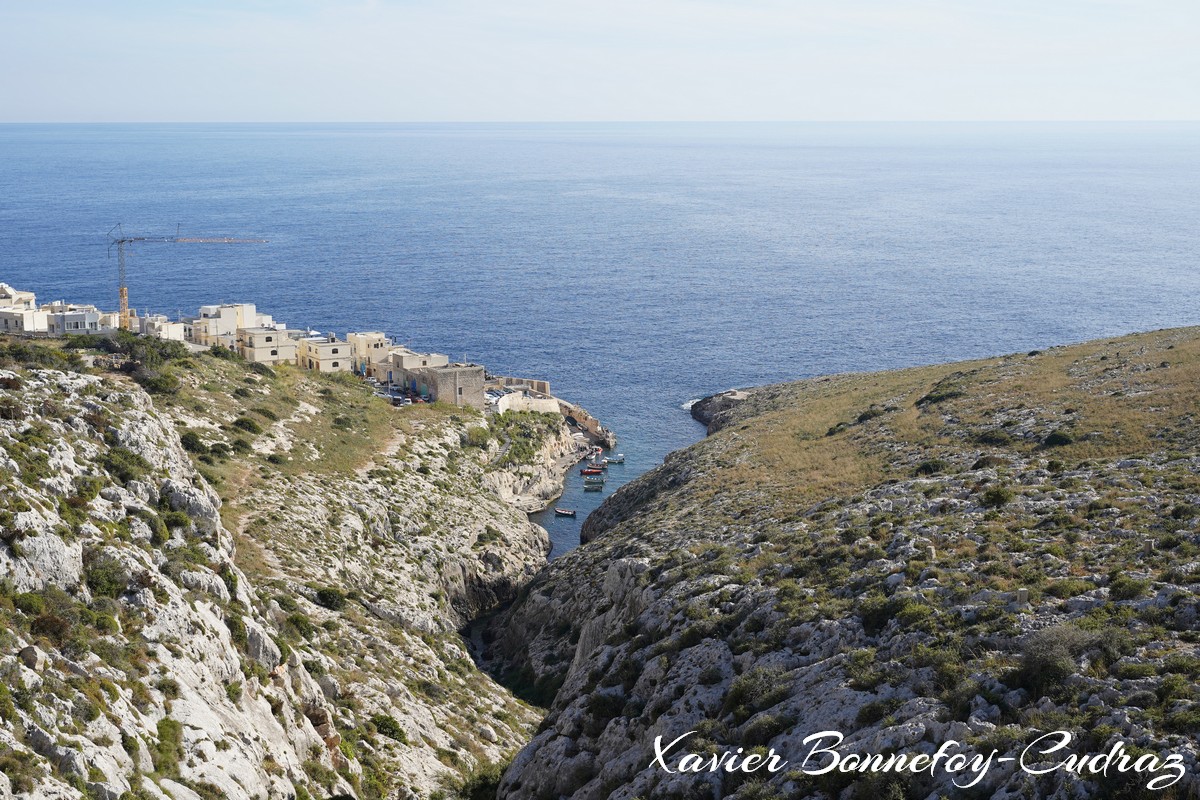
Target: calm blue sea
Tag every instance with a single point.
(636, 266)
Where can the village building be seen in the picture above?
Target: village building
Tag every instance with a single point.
(263, 345)
(324, 354)
(368, 348)
(11, 298)
(69, 319)
(160, 327)
(460, 384)
(22, 320)
(219, 324)
(391, 368)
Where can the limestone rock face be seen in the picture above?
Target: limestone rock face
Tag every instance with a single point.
(531, 487)
(148, 661)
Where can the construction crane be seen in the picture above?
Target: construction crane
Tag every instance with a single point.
(118, 239)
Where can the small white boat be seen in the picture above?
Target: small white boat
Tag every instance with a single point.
(619, 458)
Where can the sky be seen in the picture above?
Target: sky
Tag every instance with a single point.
(617, 60)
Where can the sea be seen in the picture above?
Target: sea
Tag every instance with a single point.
(636, 267)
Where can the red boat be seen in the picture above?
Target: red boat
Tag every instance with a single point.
(590, 471)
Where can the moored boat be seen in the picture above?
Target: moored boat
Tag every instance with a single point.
(564, 512)
(619, 458)
(593, 487)
(589, 471)
(593, 479)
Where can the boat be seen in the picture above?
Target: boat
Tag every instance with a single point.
(619, 458)
(593, 487)
(590, 471)
(597, 465)
(593, 479)
(564, 512)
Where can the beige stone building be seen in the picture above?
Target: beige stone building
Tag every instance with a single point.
(324, 354)
(263, 345)
(368, 348)
(460, 384)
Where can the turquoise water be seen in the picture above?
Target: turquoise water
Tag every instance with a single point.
(634, 266)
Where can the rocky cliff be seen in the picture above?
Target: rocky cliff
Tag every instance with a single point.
(978, 552)
(249, 586)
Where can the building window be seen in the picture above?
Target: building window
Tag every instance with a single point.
(269, 339)
(274, 352)
(460, 391)
(334, 351)
(335, 365)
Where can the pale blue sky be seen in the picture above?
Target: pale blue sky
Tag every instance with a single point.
(522, 60)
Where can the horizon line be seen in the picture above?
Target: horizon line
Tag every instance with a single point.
(616, 122)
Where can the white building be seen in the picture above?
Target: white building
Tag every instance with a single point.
(219, 324)
(16, 299)
(68, 319)
(160, 327)
(22, 320)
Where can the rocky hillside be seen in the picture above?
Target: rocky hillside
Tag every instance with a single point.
(249, 584)
(979, 552)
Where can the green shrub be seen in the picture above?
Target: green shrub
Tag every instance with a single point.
(30, 603)
(22, 769)
(994, 437)
(168, 751)
(996, 496)
(224, 353)
(389, 727)
(248, 425)
(124, 464)
(1126, 588)
(1069, 587)
(1057, 439)
(874, 711)
(1048, 657)
(477, 437)
(87, 487)
(331, 598)
(106, 577)
(1133, 670)
(176, 519)
(237, 630)
(932, 467)
(192, 442)
(300, 625)
(754, 691)
(157, 382)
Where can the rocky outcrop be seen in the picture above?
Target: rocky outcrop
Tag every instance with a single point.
(970, 553)
(301, 641)
(709, 411)
(121, 643)
(533, 485)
